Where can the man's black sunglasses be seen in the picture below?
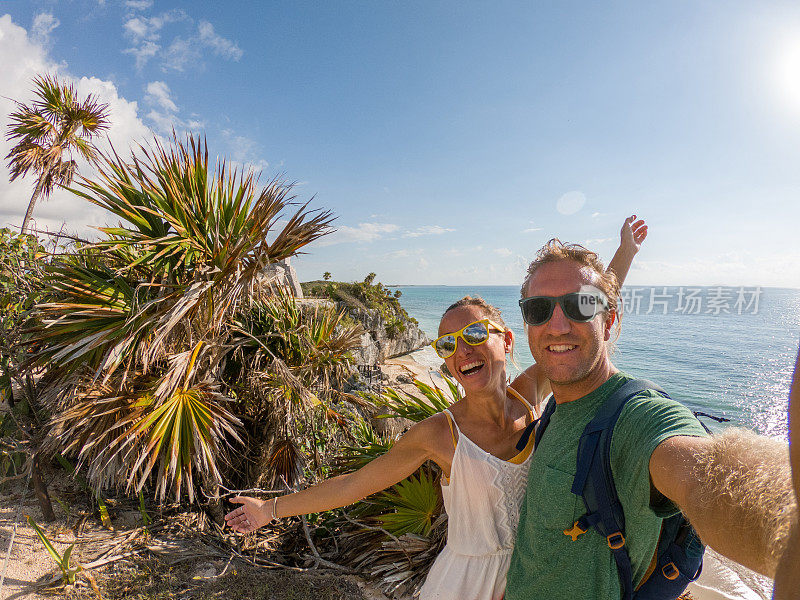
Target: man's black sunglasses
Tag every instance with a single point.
(577, 306)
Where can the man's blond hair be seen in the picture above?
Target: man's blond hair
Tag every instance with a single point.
(556, 250)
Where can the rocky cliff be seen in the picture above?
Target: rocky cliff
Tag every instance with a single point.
(389, 330)
(384, 338)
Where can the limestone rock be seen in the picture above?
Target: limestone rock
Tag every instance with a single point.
(384, 340)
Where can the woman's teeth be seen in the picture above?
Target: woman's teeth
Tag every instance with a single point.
(472, 367)
(561, 348)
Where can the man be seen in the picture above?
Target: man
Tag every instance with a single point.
(734, 488)
(787, 579)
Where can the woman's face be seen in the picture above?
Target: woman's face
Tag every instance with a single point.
(476, 367)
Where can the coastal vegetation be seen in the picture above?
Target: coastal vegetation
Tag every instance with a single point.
(364, 295)
(163, 361)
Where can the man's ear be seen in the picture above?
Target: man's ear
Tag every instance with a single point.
(611, 316)
(508, 340)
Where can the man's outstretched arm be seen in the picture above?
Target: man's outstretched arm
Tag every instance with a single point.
(736, 490)
(787, 579)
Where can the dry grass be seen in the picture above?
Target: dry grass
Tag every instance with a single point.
(153, 579)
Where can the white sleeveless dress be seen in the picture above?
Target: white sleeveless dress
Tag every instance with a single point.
(482, 501)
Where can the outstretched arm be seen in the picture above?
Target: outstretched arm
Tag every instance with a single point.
(404, 457)
(736, 490)
(787, 579)
(631, 236)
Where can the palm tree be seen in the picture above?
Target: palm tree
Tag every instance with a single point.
(139, 326)
(48, 132)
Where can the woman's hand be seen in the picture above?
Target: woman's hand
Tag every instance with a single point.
(252, 514)
(632, 234)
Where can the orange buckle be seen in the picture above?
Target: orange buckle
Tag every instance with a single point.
(575, 531)
(670, 571)
(615, 540)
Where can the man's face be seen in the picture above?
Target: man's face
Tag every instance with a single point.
(567, 351)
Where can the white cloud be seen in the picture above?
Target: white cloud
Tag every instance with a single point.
(404, 253)
(531, 229)
(183, 51)
(503, 252)
(145, 32)
(136, 28)
(159, 95)
(427, 230)
(220, 45)
(180, 53)
(164, 111)
(597, 241)
(139, 4)
(362, 233)
(726, 269)
(242, 153)
(143, 53)
(21, 58)
(43, 26)
(139, 28)
(571, 202)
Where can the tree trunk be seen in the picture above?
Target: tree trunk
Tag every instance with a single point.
(29, 213)
(41, 491)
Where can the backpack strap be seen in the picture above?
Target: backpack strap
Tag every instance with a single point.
(538, 426)
(594, 480)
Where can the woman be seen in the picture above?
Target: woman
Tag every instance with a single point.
(473, 443)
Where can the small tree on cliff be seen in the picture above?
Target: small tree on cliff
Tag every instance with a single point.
(326, 275)
(48, 131)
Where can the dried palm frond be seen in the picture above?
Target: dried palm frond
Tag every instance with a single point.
(285, 464)
(147, 313)
(122, 438)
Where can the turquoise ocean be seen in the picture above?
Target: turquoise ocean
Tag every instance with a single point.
(727, 351)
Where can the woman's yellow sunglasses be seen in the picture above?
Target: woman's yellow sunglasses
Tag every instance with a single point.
(473, 334)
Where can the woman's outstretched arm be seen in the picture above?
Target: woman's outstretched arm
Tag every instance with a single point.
(631, 236)
(404, 457)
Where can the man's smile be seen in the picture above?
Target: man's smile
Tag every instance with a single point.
(561, 348)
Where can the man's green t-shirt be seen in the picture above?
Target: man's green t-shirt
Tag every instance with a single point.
(546, 563)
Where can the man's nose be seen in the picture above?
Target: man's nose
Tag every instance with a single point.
(559, 324)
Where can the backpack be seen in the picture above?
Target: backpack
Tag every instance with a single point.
(678, 558)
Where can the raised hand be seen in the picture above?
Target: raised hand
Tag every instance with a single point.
(252, 514)
(632, 234)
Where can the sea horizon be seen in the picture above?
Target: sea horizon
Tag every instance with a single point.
(736, 364)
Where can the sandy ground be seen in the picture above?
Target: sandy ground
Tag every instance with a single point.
(402, 370)
(28, 561)
(29, 565)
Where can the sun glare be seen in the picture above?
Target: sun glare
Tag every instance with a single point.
(786, 74)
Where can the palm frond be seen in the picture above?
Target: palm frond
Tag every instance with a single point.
(415, 408)
(411, 505)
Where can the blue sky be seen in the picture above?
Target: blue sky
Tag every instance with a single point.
(453, 139)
